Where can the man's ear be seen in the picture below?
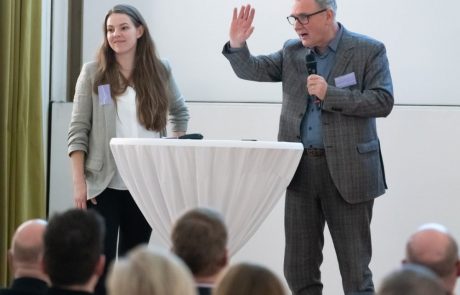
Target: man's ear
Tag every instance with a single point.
(330, 14)
(43, 266)
(224, 261)
(99, 270)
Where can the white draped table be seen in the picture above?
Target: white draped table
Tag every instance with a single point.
(241, 179)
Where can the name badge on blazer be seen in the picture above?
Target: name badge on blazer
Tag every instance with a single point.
(345, 80)
(104, 94)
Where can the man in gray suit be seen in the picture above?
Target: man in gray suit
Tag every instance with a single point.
(333, 113)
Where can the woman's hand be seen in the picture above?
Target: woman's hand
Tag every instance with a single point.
(79, 194)
(77, 159)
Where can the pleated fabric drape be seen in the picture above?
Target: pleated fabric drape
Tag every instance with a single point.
(22, 175)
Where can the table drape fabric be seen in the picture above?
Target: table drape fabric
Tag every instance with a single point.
(243, 180)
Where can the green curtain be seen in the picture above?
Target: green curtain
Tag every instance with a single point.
(22, 178)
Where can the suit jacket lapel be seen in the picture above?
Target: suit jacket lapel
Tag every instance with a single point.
(300, 55)
(343, 57)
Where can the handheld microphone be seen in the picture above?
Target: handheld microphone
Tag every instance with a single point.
(311, 63)
(311, 69)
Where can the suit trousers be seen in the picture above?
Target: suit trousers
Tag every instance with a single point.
(126, 226)
(311, 200)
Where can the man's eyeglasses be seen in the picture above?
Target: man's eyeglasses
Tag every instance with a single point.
(303, 18)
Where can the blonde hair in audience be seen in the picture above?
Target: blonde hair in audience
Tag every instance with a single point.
(249, 279)
(152, 272)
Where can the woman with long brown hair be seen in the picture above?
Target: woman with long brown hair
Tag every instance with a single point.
(127, 92)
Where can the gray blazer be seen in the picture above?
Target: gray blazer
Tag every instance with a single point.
(92, 125)
(348, 114)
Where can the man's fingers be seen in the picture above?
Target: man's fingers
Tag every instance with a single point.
(241, 14)
(80, 205)
(247, 11)
(251, 15)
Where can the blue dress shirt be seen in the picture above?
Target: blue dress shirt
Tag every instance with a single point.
(311, 130)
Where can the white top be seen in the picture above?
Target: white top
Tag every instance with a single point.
(128, 126)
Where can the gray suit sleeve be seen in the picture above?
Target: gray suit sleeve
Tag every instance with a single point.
(178, 111)
(262, 68)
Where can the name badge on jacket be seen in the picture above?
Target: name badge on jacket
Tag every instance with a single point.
(104, 94)
(345, 80)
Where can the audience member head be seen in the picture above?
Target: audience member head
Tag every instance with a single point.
(433, 247)
(26, 251)
(153, 272)
(411, 279)
(73, 249)
(199, 238)
(249, 279)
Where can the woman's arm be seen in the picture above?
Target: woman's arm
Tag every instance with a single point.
(77, 160)
(178, 110)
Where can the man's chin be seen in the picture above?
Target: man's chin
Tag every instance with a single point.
(305, 43)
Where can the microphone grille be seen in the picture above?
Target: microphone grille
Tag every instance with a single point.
(309, 58)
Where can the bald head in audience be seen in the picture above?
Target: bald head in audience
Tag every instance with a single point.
(27, 250)
(432, 246)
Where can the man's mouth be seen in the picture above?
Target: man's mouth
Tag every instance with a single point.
(303, 36)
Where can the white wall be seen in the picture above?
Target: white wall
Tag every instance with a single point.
(421, 37)
(59, 40)
(420, 149)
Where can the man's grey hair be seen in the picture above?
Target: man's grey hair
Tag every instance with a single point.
(331, 4)
(411, 279)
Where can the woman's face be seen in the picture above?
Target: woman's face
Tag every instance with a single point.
(122, 34)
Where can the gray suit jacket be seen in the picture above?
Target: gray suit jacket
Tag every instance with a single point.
(92, 125)
(348, 114)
